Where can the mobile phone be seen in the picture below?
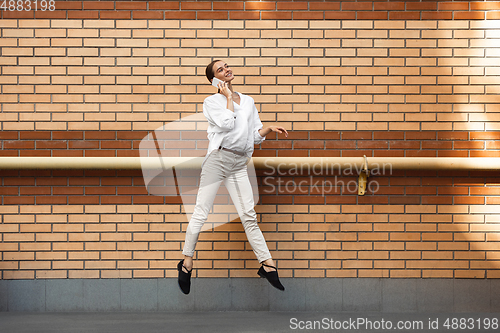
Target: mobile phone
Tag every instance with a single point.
(215, 82)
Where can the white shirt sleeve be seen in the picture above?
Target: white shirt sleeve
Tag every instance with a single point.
(218, 115)
(257, 126)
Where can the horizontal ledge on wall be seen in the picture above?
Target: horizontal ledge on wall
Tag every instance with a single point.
(281, 163)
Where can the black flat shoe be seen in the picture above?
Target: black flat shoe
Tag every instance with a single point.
(184, 278)
(271, 276)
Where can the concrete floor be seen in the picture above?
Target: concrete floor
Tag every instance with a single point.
(233, 322)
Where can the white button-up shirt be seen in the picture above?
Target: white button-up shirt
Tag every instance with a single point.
(238, 130)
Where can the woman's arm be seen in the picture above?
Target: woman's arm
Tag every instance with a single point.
(277, 129)
(217, 115)
(224, 90)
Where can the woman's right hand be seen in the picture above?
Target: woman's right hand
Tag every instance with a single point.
(224, 90)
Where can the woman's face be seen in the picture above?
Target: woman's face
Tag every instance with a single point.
(223, 72)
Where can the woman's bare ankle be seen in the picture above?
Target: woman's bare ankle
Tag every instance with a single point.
(269, 262)
(188, 262)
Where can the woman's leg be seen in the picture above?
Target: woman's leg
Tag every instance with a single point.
(212, 175)
(240, 189)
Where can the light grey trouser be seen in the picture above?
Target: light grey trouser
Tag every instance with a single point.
(224, 166)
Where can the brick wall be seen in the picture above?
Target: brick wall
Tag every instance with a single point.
(261, 10)
(371, 86)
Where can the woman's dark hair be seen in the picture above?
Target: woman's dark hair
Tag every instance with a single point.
(209, 71)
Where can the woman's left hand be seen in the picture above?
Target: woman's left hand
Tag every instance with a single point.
(278, 129)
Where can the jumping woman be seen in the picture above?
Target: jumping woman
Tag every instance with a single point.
(234, 127)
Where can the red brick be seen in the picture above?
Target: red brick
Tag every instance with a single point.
(469, 201)
(404, 15)
(454, 153)
(422, 190)
(390, 191)
(455, 5)
(357, 135)
(48, 181)
(488, 5)
(18, 144)
(357, 6)
(34, 153)
(490, 201)
(224, 5)
(372, 15)
(297, 15)
(63, 5)
(357, 153)
(484, 154)
(484, 135)
(480, 16)
(114, 15)
(213, 15)
(427, 5)
(421, 153)
(131, 5)
(18, 14)
(473, 145)
(324, 5)
(404, 200)
(341, 144)
(438, 200)
(293, 153)
(244, 15)
(57, 14)
(424, 135)
(51, 145)
(346, 200)
(53, 200)
(370, 199)
(116, 200)
(147, 15)
(378, 144)
(34, 190)
(87, 5)
(32, 135)
(437, 15)
(24, 200)
(8, 190)
(436, 145)
(178, 15)
(324, 153)
(296, 5)
(281, 15)
(470, 16)
(341, 15)
(309, 145)
(9, 135)
(195, 5)
(164, 5)
(261, 5)
(452, 135)
(404, 145)
(66, 135)
(309, 200)
(392, 5)
(324, 135)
